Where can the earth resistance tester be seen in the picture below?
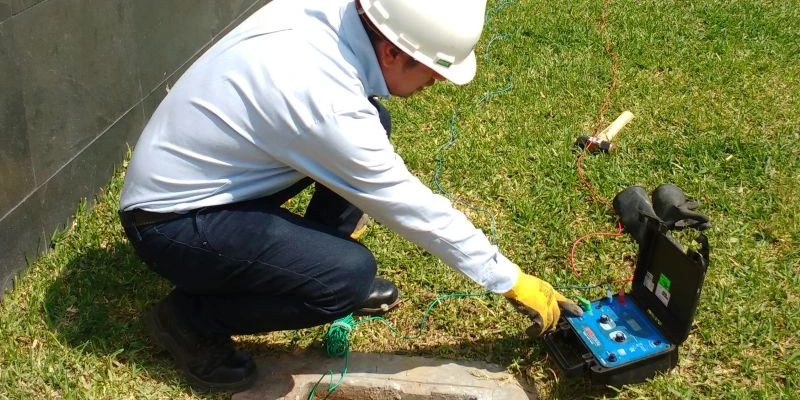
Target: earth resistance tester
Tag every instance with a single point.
(630, 337)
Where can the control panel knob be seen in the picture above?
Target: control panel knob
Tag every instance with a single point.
(619, 337)
(612, 357)
(604, 319)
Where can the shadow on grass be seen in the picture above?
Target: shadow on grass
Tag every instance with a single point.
(96, 304)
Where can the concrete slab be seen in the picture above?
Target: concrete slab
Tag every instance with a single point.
(372, 376)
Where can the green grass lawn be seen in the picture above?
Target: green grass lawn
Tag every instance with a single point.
(715, 87)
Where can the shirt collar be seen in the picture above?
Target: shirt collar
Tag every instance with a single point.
(353, 34)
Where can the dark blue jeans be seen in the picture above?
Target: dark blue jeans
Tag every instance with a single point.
(254, 266)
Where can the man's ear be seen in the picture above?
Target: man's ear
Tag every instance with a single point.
(388, 54)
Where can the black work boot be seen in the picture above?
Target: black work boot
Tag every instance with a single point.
(209, 363)
(383, 296)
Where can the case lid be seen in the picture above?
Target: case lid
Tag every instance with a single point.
(667, 280)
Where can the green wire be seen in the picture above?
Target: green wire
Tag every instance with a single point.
(337, 341)
(424, 316)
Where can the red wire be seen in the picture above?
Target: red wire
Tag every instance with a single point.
(596, 197)
(623, 281)
(613, 73)
(584, 237)
(600, 118)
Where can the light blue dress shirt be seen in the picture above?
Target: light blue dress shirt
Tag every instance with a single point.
(284, 96)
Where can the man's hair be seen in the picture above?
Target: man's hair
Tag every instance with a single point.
(375, 36)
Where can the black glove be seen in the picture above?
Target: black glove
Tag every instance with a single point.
(671, 206)
(630, 204)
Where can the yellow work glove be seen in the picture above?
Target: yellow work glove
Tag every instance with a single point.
(538, 300)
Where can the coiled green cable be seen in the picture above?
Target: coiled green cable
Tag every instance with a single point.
(337, 340)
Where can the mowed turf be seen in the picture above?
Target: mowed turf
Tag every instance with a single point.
(715, 88)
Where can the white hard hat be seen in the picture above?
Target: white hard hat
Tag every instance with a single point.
(440, 34)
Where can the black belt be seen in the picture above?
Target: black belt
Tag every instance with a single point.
(140, 218)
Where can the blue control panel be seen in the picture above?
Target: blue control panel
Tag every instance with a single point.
(617, 332)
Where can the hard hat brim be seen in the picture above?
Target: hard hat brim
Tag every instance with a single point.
(461, 73)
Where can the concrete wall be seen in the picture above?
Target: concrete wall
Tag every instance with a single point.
(78, 80)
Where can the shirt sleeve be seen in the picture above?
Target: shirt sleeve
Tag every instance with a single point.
(349, 153)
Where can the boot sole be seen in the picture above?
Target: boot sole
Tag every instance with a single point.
(167, 343)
